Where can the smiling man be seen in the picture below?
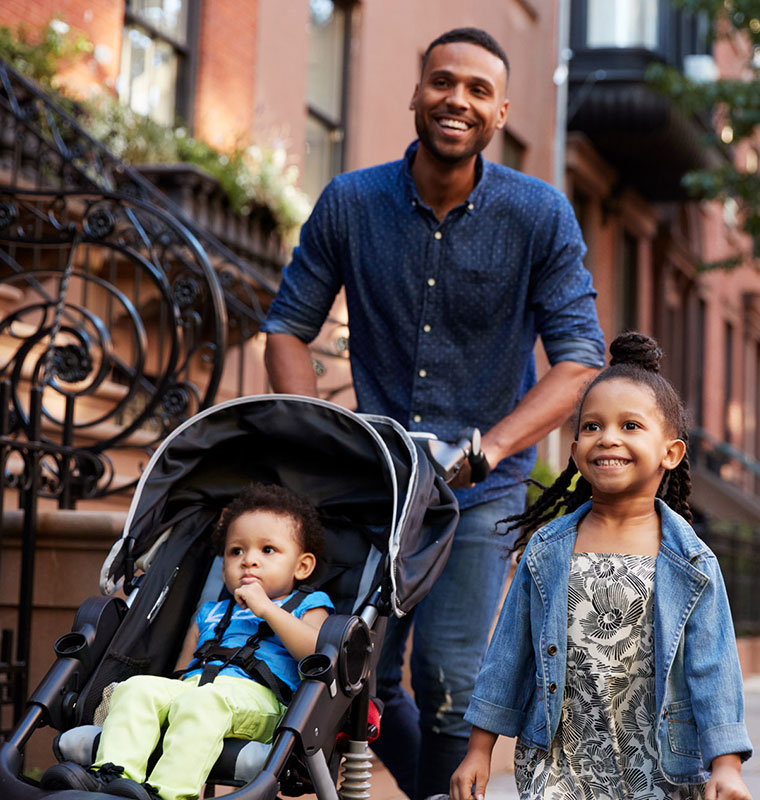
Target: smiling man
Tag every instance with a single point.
(453, 266)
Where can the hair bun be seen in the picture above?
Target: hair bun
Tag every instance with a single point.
(636, 349)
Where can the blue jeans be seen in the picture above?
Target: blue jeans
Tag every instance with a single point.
(423, 739)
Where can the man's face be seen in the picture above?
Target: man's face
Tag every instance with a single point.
(459, 101)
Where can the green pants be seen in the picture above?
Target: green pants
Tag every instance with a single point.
(198, 719)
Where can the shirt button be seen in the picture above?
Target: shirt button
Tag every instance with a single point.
(552, 687)
(417, 418)
(552, 649)
(426, 328)
(438, 235)
(422, 373)
(471, 206)
(431, 281)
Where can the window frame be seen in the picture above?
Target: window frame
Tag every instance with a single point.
(331, 125)
(187, 57)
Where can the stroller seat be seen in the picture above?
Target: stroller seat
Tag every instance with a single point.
(389, 519)
(239, 763)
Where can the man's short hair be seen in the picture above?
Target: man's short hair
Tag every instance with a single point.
(470, 36)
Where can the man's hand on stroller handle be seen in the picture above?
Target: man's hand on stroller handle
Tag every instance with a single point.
(462, 463)
(298, 635)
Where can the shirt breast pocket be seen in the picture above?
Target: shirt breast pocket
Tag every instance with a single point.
(481, 295)
(683, 736)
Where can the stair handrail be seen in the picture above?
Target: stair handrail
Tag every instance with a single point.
(107, 172)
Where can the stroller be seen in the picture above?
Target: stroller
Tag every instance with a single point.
(389, 519)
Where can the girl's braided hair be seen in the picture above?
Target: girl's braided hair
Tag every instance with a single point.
(634, 357)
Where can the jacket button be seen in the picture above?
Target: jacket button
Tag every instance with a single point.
(552, 687)
(552, 649)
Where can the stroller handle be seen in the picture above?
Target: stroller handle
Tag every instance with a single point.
(448, 457)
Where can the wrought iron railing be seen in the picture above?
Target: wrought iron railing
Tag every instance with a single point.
(725, 462)
(108, 298)
(43, 145)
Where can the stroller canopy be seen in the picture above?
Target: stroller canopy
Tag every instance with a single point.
(379, 497)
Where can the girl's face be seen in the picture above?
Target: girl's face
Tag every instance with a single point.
(623, 446)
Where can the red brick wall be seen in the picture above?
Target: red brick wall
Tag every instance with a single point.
(224, 105)
(100, 20)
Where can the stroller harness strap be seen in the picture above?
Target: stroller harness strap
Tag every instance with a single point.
(244, 656)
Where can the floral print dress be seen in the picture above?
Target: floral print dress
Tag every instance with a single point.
(605, 747)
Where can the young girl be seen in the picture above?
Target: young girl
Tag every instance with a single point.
(614, 659)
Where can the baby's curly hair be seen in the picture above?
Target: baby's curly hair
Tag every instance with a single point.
(277, 500)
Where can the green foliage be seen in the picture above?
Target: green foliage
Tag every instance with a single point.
(542, 477)
(741, 15)
(736, 104)
(251, 177)
(41, 56)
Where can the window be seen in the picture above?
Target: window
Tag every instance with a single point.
(512, 151)
(622, 23)
(629, 286)
(699, 363)
(757, 413)
(326, 92)
(155, 58)
(728, 379)
(582, 207)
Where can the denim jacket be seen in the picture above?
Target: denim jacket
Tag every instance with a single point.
(698, 684)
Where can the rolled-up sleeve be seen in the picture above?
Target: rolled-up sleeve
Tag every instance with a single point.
(562, 294)
(505, 684)
(313, 278)
(712, 671)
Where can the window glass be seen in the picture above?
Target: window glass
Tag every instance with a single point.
(325, 76)
(512, 151)
(318, 162)
(148, 78)
(168, 17)
(325, 93)
(622, 23)
(629, 285)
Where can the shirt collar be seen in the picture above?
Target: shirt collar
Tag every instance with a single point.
(482, 175)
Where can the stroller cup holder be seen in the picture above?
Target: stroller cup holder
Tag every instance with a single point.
(73, 645)
(319, 667)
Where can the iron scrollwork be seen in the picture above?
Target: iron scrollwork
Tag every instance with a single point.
(120, 314)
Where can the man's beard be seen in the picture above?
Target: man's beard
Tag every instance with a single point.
(428, 140)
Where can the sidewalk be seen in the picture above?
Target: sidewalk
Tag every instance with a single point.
(502, 786)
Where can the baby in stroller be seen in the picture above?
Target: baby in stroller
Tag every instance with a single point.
(244, 651)
(388, 519)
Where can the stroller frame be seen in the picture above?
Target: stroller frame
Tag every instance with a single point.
(399, 517)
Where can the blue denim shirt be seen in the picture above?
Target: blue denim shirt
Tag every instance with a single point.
(444, 315)
(698, 684)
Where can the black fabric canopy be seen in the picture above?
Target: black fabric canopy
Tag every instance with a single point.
(372, 485)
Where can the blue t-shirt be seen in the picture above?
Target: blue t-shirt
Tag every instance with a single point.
(244, 624)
